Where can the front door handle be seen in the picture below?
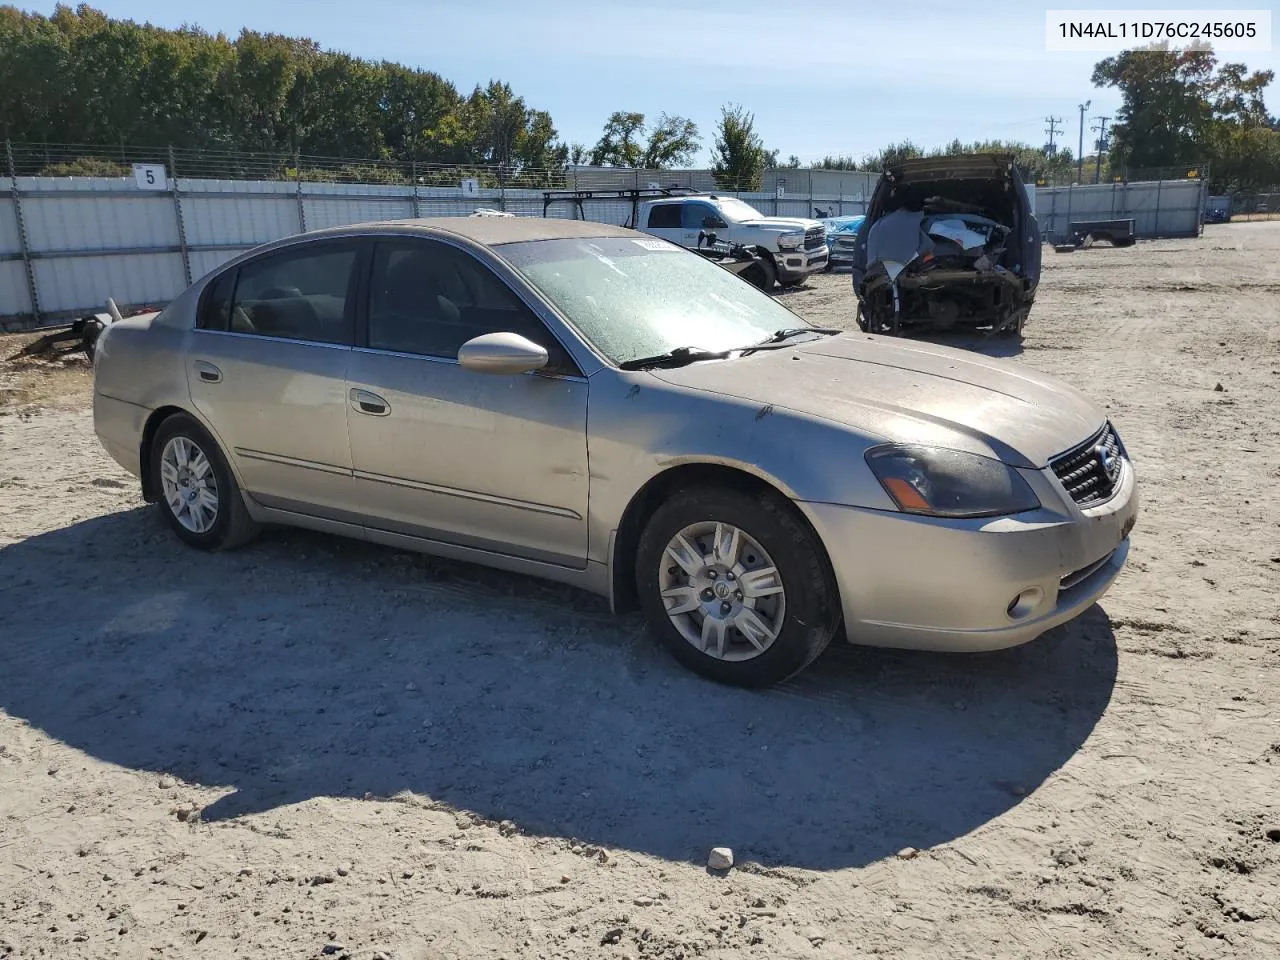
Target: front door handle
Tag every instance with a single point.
(208, 372)
(369, 403)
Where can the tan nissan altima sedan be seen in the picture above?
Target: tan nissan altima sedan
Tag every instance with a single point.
(600, 407)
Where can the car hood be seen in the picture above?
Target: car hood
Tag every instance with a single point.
(780, 223)
(910, 392)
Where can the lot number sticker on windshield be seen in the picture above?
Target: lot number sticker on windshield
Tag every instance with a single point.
(654, 244)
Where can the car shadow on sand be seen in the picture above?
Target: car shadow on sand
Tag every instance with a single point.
(306, 666)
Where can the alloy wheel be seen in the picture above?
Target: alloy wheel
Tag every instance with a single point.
(722, 591)
(189, 486)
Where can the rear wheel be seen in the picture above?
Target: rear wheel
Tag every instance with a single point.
(736, 586)
(198, 494)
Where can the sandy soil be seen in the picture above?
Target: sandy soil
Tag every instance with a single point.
(318, 748)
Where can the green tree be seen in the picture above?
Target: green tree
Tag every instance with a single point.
(79, 76)
(739, 158)
(627, 142)
(1165, 109)
(1181, 108)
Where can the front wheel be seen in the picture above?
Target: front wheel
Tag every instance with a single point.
(762, 274)
(198, 494)
(736, 586)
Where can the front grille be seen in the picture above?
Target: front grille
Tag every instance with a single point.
(815, 238)
(1091, 471)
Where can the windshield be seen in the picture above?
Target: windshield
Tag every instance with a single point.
(735, 209)
(633, 298)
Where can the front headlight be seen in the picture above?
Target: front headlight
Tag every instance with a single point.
(937, 482)
(789, 241)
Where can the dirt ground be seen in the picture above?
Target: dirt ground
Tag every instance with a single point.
(315, 747)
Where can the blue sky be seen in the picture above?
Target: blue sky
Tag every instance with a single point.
(821, 78)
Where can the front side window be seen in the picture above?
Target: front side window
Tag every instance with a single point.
(696, 215)
(635, 298)
(429, 298)
(296, 295)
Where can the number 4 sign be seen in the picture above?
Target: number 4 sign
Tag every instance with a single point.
(150, 176)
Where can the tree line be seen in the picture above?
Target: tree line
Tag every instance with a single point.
(79, 76)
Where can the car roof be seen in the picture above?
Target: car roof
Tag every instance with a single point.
(487, 231)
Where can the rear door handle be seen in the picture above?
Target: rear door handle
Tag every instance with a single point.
(369, 403)
(208, 372)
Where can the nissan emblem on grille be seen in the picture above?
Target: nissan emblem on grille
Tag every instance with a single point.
(1091, 471)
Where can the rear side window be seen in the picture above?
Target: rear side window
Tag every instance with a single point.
(296, 295)
(665, 215)
(215, 303)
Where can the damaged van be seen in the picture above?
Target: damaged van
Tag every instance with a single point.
(948, 243)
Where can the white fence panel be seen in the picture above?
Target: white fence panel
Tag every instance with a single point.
(84, 283)
(15, 300)
(14, 297)
(65, 213)
(1165, 208)
(10, 244)
(216, 213)
(93, 237)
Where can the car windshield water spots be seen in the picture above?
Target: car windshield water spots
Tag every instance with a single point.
(632, 299)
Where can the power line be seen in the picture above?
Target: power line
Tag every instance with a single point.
(1080, 157)
(1052, 130)
(1101, 127)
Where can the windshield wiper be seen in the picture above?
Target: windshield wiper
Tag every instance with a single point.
(781, 336)
(678, 357)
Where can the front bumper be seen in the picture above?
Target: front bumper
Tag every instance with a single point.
(800, 263)
(842, 254)
(930, 584)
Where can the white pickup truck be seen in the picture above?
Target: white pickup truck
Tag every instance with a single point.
(791, 247)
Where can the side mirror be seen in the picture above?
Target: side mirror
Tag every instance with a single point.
(502, 353)
(711, 223)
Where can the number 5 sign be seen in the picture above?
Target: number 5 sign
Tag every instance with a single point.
(150, 176)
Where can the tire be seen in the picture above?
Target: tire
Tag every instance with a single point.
(230, 526)
(766, 274)
(802, 607)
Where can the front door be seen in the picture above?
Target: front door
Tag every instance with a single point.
(488, 461)
(697, 218)
(267, 370)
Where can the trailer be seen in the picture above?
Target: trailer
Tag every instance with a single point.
(1119, 233)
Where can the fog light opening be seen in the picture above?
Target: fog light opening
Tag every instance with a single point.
(1025, 603)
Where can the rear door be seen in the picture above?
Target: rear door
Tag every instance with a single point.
(666, 221)
(267, 370)
(492, 462)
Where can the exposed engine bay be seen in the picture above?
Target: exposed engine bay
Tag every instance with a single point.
(947, 253)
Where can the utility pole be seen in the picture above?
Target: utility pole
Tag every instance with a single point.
(1054, 123)
(1080, 157)
(1102, 145)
